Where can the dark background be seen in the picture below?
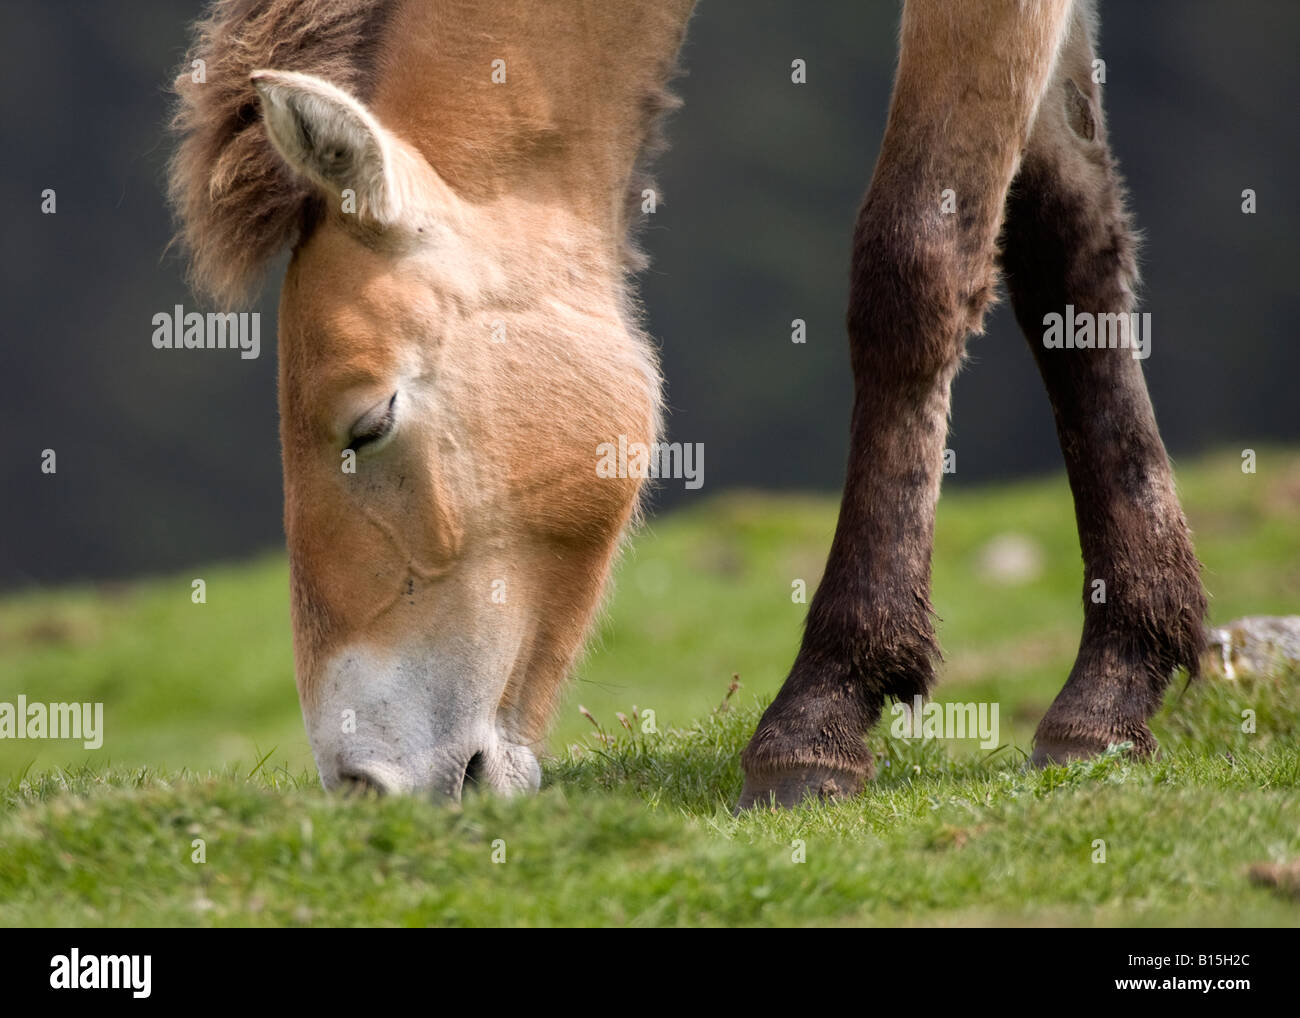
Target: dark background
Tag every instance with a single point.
(167, 460)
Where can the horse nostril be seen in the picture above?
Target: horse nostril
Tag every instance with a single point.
(474, 770)
(356, 783)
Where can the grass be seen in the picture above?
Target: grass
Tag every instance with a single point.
(204, 744)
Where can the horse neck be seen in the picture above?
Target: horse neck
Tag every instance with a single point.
(547, 104)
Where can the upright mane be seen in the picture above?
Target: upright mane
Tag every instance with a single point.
(238, 204)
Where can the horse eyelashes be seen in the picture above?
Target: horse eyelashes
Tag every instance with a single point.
(374, 425)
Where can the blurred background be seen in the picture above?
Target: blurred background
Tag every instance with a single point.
(167, 462)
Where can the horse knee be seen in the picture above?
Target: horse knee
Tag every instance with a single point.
(915, 295)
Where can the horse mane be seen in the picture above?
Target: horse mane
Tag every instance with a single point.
(236, 202)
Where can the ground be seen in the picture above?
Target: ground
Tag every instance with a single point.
(204, 754)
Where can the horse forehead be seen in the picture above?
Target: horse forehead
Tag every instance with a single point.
(347, 307)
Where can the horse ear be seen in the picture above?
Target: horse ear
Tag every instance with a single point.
(329, 137)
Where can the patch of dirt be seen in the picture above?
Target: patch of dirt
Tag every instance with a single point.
(1282, 878)
(60, 631)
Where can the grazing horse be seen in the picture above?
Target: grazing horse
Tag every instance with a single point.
(460, 181)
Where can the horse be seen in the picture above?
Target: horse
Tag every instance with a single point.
(461, 182)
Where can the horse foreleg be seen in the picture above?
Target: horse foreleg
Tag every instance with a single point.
(970, 78)
(1068, 242)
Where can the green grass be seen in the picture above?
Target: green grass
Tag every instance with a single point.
(634, 828)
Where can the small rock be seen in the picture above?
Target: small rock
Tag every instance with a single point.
(1010, 560)
(1254, 645)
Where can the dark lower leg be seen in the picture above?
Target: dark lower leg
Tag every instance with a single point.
(1067, 242)
(920, 283)
(969, 79)
(869, 634)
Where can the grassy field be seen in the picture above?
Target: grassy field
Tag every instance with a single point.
(204, 744)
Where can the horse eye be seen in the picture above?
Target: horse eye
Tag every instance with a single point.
(375, 424)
